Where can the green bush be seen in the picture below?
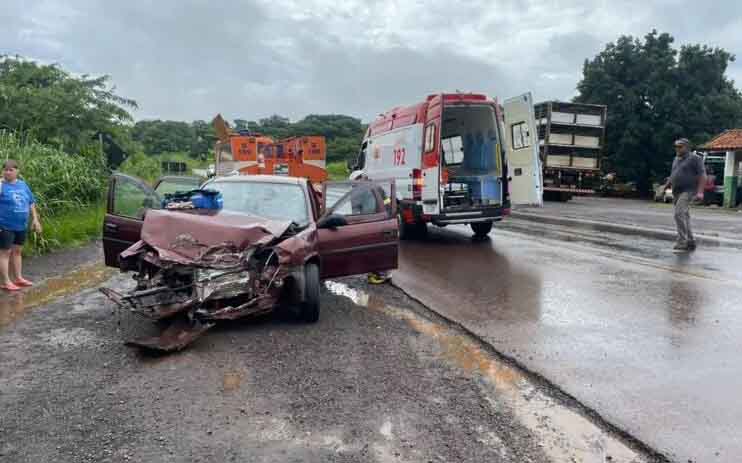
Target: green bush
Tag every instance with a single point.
(337, 171)
(142, 166)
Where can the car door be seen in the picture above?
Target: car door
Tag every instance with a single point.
(369, 241)
(128, 200)
(524, 163)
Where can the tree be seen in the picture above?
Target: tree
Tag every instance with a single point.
(656, 94)
(343, 133)
(57, 108)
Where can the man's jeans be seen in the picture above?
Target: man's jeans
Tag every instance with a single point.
(682, 217)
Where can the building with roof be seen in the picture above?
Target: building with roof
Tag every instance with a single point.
(730, 142)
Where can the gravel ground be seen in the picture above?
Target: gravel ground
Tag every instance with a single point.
(360, 385)
(41, 268)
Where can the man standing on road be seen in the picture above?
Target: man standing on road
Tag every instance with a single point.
(16, 204)
(687, 180)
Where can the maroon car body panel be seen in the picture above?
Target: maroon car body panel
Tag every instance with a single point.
(358, 248)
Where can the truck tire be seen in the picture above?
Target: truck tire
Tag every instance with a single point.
(481, 229)
(309, 309)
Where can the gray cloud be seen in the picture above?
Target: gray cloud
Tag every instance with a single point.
(191, 59)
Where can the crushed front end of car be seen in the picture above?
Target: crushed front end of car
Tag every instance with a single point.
(194, 269)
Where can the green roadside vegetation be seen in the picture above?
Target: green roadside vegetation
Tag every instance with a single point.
(337, 171)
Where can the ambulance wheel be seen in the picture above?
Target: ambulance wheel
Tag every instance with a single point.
(407, 231)
(421, 230)
(481, 229)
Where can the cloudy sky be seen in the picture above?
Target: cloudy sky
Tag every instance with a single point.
(189, 59)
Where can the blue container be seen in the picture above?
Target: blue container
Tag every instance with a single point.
(207, 200)
(490, 188)
(486, 189)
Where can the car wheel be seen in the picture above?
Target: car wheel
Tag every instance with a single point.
(309, 310)
(481, 229)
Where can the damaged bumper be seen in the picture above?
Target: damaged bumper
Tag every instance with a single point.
(190, 284)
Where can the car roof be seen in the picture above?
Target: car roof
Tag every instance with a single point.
(262, 179)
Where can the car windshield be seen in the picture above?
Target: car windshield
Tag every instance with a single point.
(275, 201)
(169, 186)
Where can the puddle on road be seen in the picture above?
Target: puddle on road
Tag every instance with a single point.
(565, 435)
(15, 306)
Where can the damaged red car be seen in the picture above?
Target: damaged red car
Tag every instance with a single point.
(271, 243)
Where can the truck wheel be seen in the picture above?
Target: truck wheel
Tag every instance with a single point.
(309, 309)
(481, 229)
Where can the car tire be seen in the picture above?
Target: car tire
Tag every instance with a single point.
(481, 229)
(309, 309)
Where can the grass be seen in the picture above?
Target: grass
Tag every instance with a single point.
(67, 229)
(337, 171)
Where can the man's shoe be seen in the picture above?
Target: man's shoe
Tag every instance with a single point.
(680, 245)
(692, 245)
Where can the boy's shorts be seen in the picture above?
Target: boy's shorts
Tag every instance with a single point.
(9, 238)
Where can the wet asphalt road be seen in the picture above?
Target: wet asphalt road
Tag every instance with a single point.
(648, 339)
(711, 221)
(378, 379)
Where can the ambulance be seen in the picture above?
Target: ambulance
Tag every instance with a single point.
(457, 158)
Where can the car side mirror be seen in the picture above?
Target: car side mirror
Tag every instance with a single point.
(332, 221)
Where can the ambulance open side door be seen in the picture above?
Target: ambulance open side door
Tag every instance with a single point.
(521, 142)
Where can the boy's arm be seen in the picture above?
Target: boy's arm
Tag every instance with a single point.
(36, 223)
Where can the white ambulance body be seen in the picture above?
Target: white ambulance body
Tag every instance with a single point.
(456, 159)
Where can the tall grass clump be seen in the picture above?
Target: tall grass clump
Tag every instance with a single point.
(69, 189)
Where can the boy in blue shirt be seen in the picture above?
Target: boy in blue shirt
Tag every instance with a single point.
(16, 204)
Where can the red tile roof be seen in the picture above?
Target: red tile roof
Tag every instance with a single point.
(729, 140)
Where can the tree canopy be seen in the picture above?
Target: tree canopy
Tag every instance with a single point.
(343, 133)
(58, 108)
(656, 94)
(157, 137)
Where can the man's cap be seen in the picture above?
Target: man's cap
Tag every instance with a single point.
(682, 142)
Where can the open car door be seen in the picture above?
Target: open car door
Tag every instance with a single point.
(128, 200)
(359, 232)
(524, 163)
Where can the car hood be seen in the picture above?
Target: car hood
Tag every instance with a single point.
(187, 237)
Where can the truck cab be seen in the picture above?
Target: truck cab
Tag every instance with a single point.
(449, 157)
